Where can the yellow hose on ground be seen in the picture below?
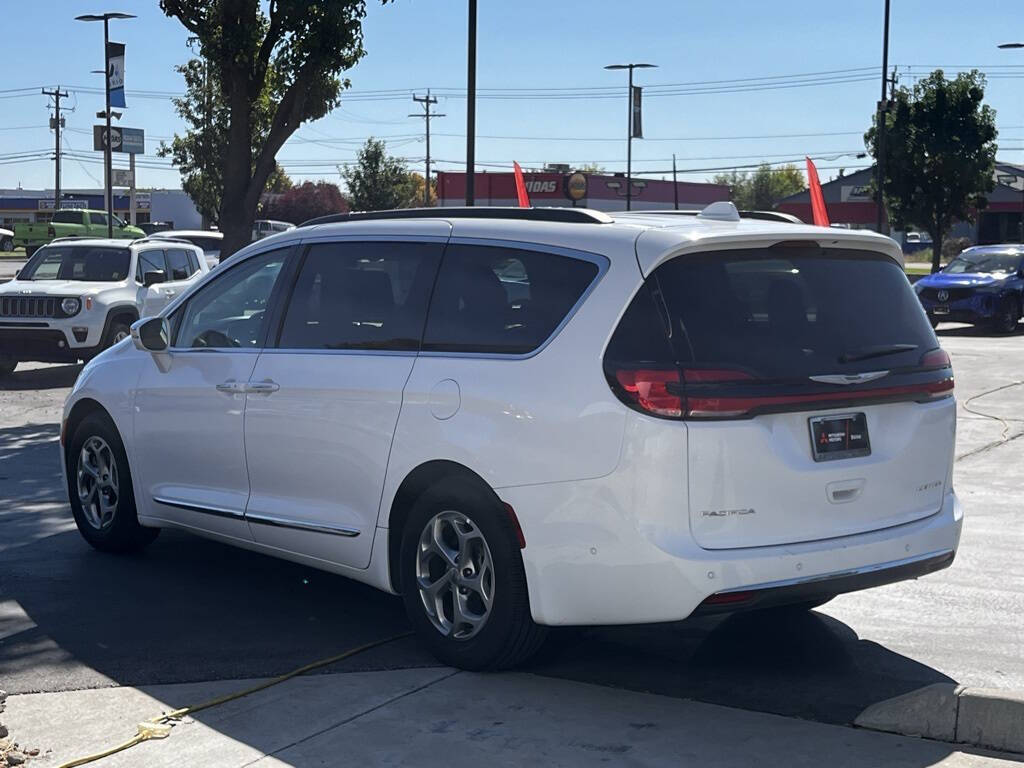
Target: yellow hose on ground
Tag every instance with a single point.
(159, 728)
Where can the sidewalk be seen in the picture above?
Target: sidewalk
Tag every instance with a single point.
(442, 717)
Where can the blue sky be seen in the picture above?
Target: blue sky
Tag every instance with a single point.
(533, 45)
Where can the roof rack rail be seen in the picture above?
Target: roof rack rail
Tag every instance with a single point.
(151, 239)
(564, 215)
(76, 237)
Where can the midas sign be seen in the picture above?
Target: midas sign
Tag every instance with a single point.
(542, 186)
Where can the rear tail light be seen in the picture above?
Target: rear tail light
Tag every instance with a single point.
(936, 358)
(650, 389)
(662, 392)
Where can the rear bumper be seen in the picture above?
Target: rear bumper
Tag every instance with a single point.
(43, 345)
(590, 563)
(825, 586)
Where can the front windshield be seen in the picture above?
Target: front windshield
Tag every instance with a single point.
(984, 262)
(91, 263)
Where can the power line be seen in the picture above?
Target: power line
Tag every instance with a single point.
(427, 101)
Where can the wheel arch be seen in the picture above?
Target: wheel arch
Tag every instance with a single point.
(127, 313)
(421, 478)
(82, 409)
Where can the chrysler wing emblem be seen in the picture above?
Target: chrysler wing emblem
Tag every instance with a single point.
(942, 295)
(849, 378)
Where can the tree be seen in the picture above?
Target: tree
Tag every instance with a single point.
(305, 201)
(590, 168)
(416, 200)
(378, 181)
(763, 189)
(939, 154)
(286, 60)
(198, 153)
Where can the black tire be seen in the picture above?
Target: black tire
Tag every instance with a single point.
(116, 332)
(7, 244)
(1008, 316)
(122, 533)
(7, 365)
(508, 636)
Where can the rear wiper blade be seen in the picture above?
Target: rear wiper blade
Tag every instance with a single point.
(866, 353)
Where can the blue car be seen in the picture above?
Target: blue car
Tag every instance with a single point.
(984, 285)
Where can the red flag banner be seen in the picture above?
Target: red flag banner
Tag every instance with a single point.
(524, 199)
(817, 198)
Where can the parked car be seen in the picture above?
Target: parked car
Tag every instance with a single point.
(76, 297)
(521, 418)
(152, 227)
(914, 242)
(984, 285)
(71, 223)
(265, 227)
(6, 240)
(208, 240)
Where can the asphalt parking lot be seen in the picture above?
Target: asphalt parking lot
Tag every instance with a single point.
(189, 610)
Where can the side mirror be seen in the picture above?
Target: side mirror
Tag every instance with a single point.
(151, 334)
(153, 277)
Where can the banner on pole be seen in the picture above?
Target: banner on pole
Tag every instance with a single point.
(115, 73)
(637, 131)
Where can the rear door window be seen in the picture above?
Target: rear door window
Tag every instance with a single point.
(793, 312)
(361, 296)
(177, 263)
(502, 300)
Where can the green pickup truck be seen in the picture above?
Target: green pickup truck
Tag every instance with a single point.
(71, 223)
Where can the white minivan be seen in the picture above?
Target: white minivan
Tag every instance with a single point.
(521, 418)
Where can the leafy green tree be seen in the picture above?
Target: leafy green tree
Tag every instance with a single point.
(284, 56)
(198, 153)
(764, 188)
(940, 154)
(378, 181)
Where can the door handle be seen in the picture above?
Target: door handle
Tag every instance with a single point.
(231, 387)
(262, 387)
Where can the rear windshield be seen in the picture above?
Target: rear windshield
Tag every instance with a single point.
(206, 243)
(793, 312)
(94, 264)
(67, 217)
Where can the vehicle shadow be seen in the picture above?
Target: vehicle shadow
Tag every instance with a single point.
(46, 377)
(30, 464)
(975, 331)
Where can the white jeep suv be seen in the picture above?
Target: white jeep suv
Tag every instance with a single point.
(75, 297)
(519, 418)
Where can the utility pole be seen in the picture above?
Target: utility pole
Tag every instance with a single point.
(675, 184)
(57, 122)
(471, 107)
(883, 109)
(427, 101)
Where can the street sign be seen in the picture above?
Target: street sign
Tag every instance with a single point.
(121, 177)
(129, 140)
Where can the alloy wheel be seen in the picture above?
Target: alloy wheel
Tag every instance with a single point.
(455, 575)
(97, 483)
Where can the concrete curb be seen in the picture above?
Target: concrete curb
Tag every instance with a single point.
(981, 717)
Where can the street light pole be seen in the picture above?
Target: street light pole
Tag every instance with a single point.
(108, 191)
(629, 127)
(471, 107)
(1020, 224)
(880, 134)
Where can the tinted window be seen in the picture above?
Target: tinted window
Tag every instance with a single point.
(78, 262)
(231, 310)
(361, 296)
(193, 262)
(150, 261)
(67, 217)
(501, 299)
(177, 263)
(640, 337)
(785, 312)
(206, 243)
(98, 218)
